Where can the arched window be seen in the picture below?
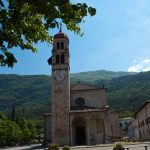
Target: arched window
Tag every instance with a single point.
(57, 59)
(58, 45)
(62, 45)
(62, 59)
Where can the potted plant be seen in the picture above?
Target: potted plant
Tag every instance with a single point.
(118, 146)
(53, 147)
(66, 147)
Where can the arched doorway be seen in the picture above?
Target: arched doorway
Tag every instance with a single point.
(79, 131)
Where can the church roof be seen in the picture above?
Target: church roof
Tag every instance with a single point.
(60, 34)
(145, 103)
(85, 86)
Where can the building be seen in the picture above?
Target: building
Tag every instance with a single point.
(124, 122)
(139, 128)
(80, 114)
(133, 130)
(143, 118)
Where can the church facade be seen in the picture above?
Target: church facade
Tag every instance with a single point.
(80, 114)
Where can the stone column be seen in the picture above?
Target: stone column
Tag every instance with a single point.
(88, 132)
(71, 135)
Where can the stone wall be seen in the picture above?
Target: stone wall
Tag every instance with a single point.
(47, 128)
(93, 97)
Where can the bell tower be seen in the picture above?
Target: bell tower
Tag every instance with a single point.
(60, 89)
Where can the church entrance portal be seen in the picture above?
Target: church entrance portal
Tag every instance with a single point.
(79, 131)
(80, 135)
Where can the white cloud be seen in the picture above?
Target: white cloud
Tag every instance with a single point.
(146, 69)
(143, 65)
(146, 61)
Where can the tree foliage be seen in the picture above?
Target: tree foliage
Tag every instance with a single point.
(34, 91)
(24, 23)
(28, 130)
(13, 114)
(11, 132)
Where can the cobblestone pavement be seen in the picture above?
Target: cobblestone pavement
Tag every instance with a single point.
(99, 147)
(110, 147)
(139, 146)
(93, 148)
(28, 147)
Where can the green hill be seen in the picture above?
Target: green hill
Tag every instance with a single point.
(100, 74)
(129, 92)
(31, 94)
(28, 93)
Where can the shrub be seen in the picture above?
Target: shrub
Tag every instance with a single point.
(53, 147)
(66, 147)
(118, 146)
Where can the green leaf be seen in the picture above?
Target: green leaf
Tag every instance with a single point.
(25, 23)
(92, 11)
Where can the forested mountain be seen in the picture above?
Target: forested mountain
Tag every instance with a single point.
(28, 93)
(129, 92)
(31, 94)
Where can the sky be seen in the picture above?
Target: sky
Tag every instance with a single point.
(116, 39)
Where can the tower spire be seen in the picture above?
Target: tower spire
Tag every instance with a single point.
(60, 30)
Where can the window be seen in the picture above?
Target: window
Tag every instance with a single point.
(62, 59)
(120, 124)
(112, 130)
(139, 125)
(148, 120)
(57, 59)
(58, 45)
(126, 123)
(143, 123)
(62, 45)
(80, 102)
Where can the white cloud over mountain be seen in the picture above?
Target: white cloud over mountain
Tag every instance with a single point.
(143, 65)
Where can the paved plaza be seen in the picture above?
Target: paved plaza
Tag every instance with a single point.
(110, 147)
(98, 147)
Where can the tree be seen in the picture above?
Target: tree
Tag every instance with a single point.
(13, 114)
(9, 131)
(13, 132)
(28, 130)
(32, 129)
(3, 120)
(24, 23)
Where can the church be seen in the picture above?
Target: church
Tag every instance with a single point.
(79, 113)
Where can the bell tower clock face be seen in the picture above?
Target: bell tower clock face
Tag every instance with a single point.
(60, 76)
